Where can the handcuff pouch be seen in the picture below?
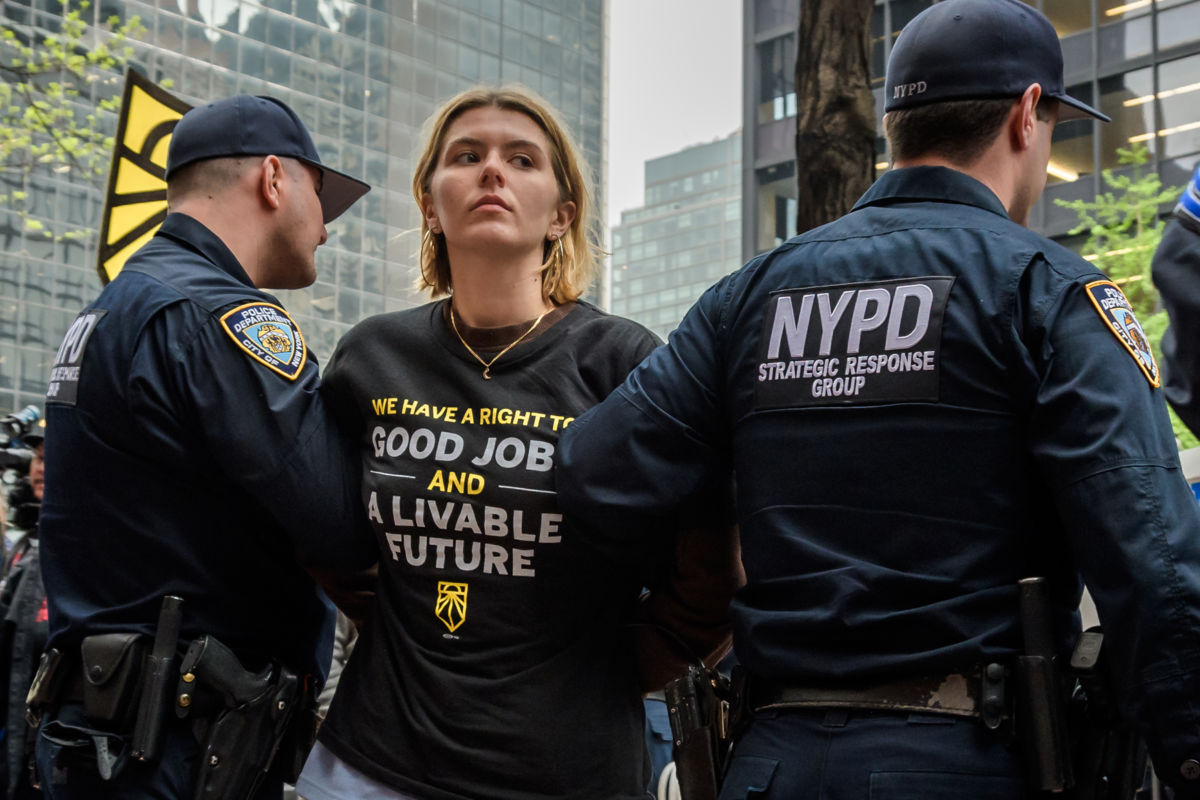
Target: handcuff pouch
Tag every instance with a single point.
(112, 676)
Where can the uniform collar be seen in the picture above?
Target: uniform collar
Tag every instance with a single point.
(936, 184)
(193, 234)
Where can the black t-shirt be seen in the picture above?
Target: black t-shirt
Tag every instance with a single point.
(496, 663)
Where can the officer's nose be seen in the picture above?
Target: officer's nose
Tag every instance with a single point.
(324, 235)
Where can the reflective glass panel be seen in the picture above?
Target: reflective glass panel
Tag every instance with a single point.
(1179, 25)
(1121, 41)
(1071, 149)
(1068, 16)
(1109, 10)
(1179, 106)
(1128, 99)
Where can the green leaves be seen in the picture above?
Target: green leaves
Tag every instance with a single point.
(1124, 228)
(52, 119)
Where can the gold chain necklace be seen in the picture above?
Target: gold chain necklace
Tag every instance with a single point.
(487, 365)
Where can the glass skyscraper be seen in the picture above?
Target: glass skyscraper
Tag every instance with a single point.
(685, 237)
(363, 75)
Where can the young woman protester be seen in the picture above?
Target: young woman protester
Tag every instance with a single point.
(497, 661)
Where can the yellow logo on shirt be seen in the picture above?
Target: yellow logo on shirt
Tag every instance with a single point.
(451, 606)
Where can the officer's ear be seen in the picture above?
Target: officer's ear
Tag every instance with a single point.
(1023, 123)
(270, 180)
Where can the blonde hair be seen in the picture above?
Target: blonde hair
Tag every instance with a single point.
(565, 276)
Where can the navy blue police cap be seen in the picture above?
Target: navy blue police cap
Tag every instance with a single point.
(257, 126)
(975, 50)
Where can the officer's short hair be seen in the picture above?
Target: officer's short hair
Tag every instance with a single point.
(956, 130)
(211, 176)
(214, 176)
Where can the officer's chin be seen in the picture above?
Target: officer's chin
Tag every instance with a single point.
(292, 276)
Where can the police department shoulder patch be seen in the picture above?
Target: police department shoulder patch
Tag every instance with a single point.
(269, 335)
(1115, 310)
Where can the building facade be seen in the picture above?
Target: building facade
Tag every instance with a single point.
(685, 237)
(363, 74)
(1136, 60)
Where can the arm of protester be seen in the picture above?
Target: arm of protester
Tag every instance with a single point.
(685, 618)
(353, 592)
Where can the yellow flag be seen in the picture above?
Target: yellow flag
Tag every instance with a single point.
(136, 202)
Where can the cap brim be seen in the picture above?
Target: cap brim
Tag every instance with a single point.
(338, 191)
(1074, 109)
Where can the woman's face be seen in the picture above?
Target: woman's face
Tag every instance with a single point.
(493, 186)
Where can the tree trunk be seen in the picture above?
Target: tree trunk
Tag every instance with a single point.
(835, 119)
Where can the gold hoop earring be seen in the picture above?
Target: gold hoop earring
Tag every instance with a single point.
(428, 256)
(557, 260)
(428, 242)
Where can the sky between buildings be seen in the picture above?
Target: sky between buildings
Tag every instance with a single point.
(675, 79)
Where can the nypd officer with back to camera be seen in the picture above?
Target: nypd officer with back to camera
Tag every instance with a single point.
(1176, 272)
(191, 470)
(924, 403)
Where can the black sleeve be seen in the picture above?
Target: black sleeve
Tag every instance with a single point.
(1176, 272)
(272, 435)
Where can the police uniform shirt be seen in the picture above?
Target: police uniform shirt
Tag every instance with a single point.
(188, 452)
(923, 402)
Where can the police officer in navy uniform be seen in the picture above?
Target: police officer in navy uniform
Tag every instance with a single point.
(923, 403)
(1176, 271)
(189, 452)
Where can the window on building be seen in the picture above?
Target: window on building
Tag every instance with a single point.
(1111, 10)
(8, 361)
(34, 371)
(1178, 25)
(903, 12)
(8, 322)
(879, 49)
(1068, 16)
(776, 206)
(770, 14)
(1124, 39)
(34, 324)
(1128, 99)
(1071, 154)
(776, 79)
(10, 287)
(1179, 106)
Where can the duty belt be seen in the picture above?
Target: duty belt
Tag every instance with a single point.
(976, 694)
